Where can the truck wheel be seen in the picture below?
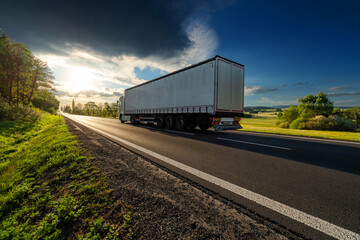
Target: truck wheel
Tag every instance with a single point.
(122, 121)
(204, 126)
(160, 121)
(169, 122)
(181, 122)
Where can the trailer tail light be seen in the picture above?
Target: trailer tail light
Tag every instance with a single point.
(217, 119)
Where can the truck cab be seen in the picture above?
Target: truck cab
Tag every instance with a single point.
(121, 104)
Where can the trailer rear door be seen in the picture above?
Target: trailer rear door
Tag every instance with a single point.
(230, 87)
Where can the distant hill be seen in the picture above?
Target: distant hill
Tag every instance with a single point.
(261, 108)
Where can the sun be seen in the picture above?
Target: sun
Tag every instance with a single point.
(80, 79)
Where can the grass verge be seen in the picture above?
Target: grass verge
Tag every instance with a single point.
(268, 125)
(49, 188)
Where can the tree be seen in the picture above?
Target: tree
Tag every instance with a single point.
(288, 116)
(22, 75)
(45, 100)
(67, 109)
(311, 106)
(73, 106)
(90, 108)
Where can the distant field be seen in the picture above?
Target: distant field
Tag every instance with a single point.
(266, 123)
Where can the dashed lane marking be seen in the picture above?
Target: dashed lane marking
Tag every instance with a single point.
(252, 143)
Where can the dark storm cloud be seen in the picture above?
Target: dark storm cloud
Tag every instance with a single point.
(114, 27)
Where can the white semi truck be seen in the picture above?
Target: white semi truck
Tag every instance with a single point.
(209, 93)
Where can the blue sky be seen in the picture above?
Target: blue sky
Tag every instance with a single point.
(289, 48)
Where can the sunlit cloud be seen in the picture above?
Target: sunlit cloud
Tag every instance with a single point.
(83, 73)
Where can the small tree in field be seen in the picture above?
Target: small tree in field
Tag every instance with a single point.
(314, 105)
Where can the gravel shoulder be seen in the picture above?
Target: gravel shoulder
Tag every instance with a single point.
(166, 206)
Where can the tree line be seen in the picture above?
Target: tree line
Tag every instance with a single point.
(24, 78)
(92, 109)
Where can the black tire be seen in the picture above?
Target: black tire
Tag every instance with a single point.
(160, 121)
(169, 122)
(181, 122)
(120, 119)
(204, 126)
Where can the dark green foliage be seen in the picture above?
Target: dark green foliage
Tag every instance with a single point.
(18, 113)
(24, 79)
(288, 116)
(49, 188)
(351, 114)
(46, 101)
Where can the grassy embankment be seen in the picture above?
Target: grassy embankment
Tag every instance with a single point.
(266, 123)
(49, 188)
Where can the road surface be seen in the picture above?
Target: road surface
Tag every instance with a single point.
(303, 184)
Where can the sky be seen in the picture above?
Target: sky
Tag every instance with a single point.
(290, 49)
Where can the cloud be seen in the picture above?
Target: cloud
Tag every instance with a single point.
(87, 93)
(140, 28)
(282, 85)
(270, 101)
(343, 94)
(120, 69)
(300, 83)
(338, 88)
(108, 40)
(251, 90)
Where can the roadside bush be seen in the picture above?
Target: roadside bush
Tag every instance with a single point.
(298, 123)
(288, 116)
(333, 122)
(18, 113)
(52, 111)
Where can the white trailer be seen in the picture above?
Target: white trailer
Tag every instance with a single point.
(209, 93)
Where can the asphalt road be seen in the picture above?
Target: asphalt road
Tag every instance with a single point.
(317, 177)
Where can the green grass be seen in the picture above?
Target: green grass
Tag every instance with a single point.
(49, 188)
(266, 123)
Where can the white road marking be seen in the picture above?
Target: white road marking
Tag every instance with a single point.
(259, 144)
(302, 217)
(179, 132)
(299, 137)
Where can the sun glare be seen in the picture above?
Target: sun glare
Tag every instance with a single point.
(80, 79)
